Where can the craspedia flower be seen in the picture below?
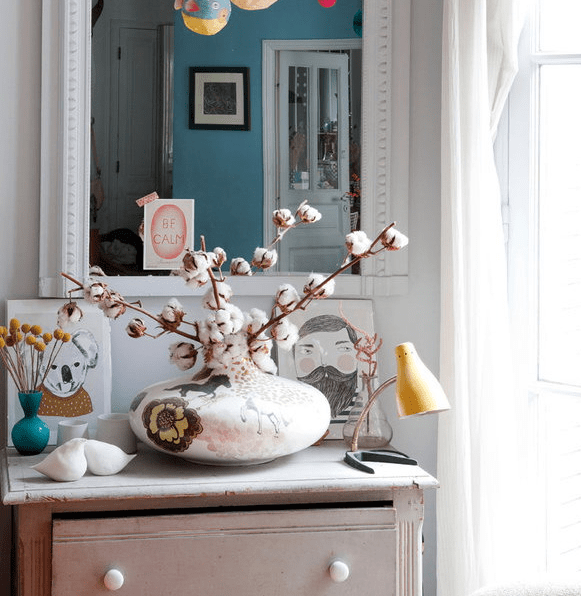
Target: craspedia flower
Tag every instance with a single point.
(40, 346)
(66, 337)
(14, 325)
(25, 328)
(3, 331)
(68, 314)
(47, 337)
(58, 334)
(136, 328)
(2, 342)
(36, 330)
(30, 340)
(18, 337)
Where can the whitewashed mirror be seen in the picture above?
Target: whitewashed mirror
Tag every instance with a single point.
(65, 154)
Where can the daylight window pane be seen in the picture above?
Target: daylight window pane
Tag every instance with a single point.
(559, 26)
(560, 224)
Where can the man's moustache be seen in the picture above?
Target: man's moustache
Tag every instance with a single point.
(326, 372)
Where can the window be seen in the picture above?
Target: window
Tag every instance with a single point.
(539, 148)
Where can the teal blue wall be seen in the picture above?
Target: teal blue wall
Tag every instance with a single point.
(222, 170)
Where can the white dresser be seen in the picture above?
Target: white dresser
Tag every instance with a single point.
(303, 525)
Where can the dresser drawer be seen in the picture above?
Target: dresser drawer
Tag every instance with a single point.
(245, 553)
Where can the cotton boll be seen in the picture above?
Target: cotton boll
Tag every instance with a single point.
(357, 243)
(104, 459)
(66, 463)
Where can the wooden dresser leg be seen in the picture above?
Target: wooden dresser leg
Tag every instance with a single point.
(409, 505)
(33, 555)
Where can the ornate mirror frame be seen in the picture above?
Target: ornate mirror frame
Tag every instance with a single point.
(65, 155)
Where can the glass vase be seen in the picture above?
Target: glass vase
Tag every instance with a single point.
(375, 431)
(30, 435)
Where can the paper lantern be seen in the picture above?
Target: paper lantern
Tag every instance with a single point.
(253, 4)
(358, 23)
(206, 17)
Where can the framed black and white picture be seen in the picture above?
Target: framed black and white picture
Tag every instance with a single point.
(219, 98)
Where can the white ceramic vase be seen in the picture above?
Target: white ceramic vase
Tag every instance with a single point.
(242, 417)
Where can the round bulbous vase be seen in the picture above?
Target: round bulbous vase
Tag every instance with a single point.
(240, 417)
(30, 435)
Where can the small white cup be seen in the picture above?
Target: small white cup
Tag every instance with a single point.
(115, 429)
(71, 429)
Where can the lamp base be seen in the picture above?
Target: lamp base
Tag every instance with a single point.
(356, 458)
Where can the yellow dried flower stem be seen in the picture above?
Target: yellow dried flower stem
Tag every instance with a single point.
(66, 337)
(58, 334)
(36, 330)
(30, 340)
(25, 328)
(14, 325)
(47, 337)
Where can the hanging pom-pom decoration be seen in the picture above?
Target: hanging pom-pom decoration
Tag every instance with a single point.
(253, 4)
(206, 17)
(327, 3)
(358, 23)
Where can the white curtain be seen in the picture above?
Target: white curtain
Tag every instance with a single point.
(479, 534)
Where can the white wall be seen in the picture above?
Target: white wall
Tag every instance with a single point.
(414, 317)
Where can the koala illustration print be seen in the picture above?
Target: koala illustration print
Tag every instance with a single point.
(63, 390)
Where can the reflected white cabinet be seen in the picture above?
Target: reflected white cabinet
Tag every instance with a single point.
(304, 525)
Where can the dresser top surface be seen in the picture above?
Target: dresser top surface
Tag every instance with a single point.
(319, 470)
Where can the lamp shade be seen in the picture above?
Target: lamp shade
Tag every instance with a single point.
(417, 390)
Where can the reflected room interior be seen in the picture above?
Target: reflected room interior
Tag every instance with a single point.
(141, 141)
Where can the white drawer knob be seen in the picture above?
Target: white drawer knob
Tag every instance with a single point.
(339, 571)
(113, 579)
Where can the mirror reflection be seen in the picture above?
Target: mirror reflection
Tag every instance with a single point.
(141, 55)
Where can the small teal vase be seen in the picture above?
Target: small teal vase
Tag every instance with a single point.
(30, 435)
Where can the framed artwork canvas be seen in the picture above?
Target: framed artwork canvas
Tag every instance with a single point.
(219, 98)
(325, 356)
(78, 385)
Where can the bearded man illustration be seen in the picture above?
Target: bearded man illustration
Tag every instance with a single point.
(325, 357)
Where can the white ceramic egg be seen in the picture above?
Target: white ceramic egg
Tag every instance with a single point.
(104, 459)
(66, 463)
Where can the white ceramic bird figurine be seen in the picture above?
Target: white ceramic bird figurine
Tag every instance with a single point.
(66, 463)
(104, 459)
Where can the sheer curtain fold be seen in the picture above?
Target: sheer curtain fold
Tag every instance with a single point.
(478, 531)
